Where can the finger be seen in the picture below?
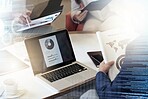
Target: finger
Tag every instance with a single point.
(28, 13)
(102, 63)
(86, 11)
(80, 15)
(27, 18)
(78, 12)
(83, 14)
(109, 64)
(81, 18)
(22, 20)
(76, 17)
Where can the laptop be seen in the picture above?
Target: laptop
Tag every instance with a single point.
(53, 61)
(43, 14)
(46, 8)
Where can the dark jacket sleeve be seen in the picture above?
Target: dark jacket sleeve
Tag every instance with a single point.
(103, 84)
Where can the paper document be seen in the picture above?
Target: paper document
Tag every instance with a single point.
(113, 46)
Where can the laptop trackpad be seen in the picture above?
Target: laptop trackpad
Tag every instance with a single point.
(76, 79)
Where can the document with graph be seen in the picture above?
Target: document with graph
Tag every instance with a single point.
(113, 46)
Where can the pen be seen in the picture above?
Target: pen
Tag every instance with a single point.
(27, 21)
(2, 93)
(95, 59)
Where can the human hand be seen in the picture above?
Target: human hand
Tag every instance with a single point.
(80, 16)
(105, 67)
(24, 18)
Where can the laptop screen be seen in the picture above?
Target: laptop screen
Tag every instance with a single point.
(50, 51)
(46, 8)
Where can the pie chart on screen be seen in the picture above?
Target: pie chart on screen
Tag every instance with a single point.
(49, 43)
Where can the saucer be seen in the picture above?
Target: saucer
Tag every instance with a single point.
(19, 93)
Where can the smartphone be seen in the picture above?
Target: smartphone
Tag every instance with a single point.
(96, 57)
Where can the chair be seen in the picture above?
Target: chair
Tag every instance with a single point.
(71, 26)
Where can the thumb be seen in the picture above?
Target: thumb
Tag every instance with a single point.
(109, 64)
(28, 13)
(77, 12)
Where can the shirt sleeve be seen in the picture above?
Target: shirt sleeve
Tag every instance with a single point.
(103, 84)
(74, 10)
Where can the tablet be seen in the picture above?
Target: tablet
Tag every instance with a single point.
(96, 57)
(97, 5)
(46, 8)
(41, 21)
(44, 13)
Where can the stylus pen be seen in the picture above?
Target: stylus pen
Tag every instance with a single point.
(27, 21)
(95, 59)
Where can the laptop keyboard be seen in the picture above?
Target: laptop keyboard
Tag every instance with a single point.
(64, 72)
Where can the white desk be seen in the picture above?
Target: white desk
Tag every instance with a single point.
(35, 90)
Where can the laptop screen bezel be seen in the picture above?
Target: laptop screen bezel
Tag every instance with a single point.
(29, 50)
(46, 9)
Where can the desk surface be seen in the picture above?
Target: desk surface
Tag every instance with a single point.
(12, 36)
(34, 89)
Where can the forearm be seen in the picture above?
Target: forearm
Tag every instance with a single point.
(75, 10)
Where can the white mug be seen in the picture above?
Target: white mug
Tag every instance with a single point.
(10, 87)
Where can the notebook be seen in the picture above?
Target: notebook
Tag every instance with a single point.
(43, 13)
(53, 61)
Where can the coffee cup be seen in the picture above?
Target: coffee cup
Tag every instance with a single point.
(10, 87)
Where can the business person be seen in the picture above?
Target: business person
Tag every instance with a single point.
(78, 16)
(131, 82)
(97, 20)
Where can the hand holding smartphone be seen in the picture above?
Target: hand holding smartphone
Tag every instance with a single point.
(96, 57)
(80, 16)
